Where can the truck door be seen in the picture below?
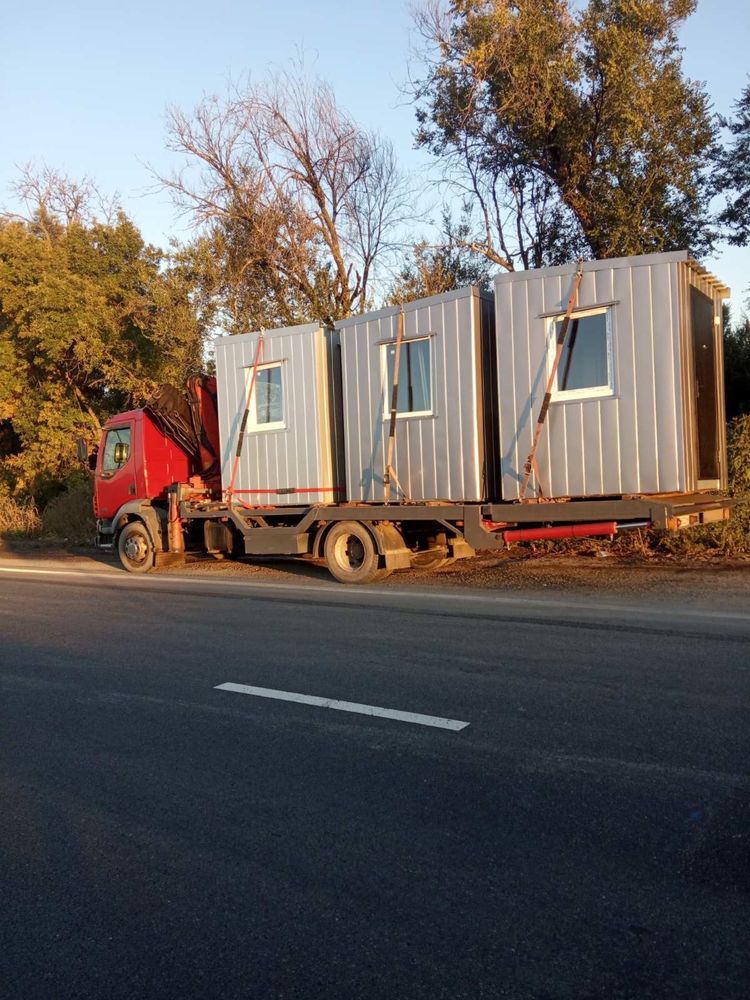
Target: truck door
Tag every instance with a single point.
(115, 474)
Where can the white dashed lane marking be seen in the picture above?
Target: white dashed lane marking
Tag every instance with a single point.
(346, 706)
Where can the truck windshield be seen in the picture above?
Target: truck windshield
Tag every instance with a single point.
(118, 435)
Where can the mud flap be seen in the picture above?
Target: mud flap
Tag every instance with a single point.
(460, 549)
(391, 546)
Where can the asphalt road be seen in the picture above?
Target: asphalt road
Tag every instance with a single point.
(584, 836)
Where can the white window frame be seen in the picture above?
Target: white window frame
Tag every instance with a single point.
(388, 386)
(588, 392)
(252, 418)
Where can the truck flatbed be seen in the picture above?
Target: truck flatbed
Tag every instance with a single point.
(363, 541)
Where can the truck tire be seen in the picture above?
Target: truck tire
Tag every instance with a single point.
(135, 548)
(351, 555)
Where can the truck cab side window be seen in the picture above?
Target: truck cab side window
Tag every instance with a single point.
(116, 449)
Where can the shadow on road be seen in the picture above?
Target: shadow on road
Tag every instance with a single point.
(283, 566)
(11, 548)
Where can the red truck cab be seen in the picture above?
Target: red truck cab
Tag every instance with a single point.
(135, 465)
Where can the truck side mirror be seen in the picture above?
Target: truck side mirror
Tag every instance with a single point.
(82, 450)
(122, 451)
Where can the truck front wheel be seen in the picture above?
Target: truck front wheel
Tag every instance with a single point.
(350, 554)
(135, 548)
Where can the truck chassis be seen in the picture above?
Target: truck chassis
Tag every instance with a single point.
(364, 542)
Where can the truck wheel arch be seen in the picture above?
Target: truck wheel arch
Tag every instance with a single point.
(389, 543)
(153, 519)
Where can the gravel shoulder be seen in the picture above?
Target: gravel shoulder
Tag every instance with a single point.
(670, 579)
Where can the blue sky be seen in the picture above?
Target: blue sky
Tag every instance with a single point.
(84, 85)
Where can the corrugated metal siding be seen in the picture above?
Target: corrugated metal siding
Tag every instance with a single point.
(436, 457)
(308, 452)
(630, 442)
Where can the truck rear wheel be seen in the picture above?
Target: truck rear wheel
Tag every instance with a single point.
(351, 555)
(135, 548)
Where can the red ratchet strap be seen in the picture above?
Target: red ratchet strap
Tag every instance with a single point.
(390, 472)
(286, 490)
(241, 437)
(531, 464)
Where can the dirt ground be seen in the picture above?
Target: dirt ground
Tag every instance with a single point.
(595, 572)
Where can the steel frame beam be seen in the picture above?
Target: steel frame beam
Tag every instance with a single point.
(465, 519)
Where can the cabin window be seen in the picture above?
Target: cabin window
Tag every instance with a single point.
(267, 404)
(414, 377)
(585, 367)
(116, 449)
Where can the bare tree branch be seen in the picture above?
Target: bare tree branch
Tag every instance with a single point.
(305, 203)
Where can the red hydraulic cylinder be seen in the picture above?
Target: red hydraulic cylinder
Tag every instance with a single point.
(561, 531)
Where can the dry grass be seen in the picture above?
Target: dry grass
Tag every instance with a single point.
(70, 516)
(733, 536)
(67, 518)
(19, 518)
(723, 540)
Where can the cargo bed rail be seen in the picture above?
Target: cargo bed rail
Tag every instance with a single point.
(666, 511)
(362, 541)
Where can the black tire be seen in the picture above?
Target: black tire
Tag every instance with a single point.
(351, 555)
(135, 548)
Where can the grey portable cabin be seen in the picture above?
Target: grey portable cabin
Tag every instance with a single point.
(638, 400)
(443, 434)
(293, 451)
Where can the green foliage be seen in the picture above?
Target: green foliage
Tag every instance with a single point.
(733, 173)
(733, 537)
(440, 268)
(91, 320)
(737, 531)
(584, 114)
(730, 537)
(236, 282)
(736, 366)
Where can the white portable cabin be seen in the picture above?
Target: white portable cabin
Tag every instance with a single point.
(638, 401)
(442, 436)
(293, 446)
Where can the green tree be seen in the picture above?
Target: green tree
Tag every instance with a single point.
(574, 126)
(736, 365)
(298, 205)
(236, 281)
(733, 173)
(441, 267)
(91, 320)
